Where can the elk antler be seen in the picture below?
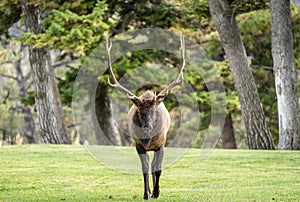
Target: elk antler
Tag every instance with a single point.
(177, 80)
(116, 84)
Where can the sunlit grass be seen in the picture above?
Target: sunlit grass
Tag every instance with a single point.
(70, 173)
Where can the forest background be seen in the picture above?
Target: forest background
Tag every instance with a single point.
(71, 30)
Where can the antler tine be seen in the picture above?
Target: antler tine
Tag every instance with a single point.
(115, 83)
(179, 76)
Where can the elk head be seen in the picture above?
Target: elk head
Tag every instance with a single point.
(147, 103)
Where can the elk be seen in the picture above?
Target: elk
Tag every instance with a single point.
(149, 122)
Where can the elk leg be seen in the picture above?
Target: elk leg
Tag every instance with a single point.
(144, 157)
(156, 170)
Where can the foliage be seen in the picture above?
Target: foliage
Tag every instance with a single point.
(258, 45)
(296, 37)
(191, 14)
(233, 104)
(29, 100)
(66, 84)
(69, 173)
(11, 121)
(255, 31)
(11, 103)
(133, 14)
(76, 27)
(4, 111)
(66, 30)
(192, 18)
(10, 11)
(246, 6)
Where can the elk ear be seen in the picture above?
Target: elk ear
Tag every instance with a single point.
(136, 101)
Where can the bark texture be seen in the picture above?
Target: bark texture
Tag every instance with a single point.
(109, 133)
(49, 110)
(228, 139)
(285, 75)
(258, 134)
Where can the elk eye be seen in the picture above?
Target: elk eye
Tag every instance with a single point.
(146, 104)
(150, 102)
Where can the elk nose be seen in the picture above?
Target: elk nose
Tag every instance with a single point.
(147, 129)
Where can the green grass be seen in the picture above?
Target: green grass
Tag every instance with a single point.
(70, 173)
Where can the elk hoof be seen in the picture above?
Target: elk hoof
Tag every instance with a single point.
(155, 194)
(146, 195)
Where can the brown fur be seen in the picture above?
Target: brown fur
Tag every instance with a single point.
(159, 134)
(149, 122)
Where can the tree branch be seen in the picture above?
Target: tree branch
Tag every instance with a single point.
(261, 66)
(7, 62)
(28, 75)
(64, 63)
(8, 76)
(6, 96)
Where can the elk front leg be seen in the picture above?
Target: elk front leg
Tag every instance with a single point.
(144, 157)
(156, 170)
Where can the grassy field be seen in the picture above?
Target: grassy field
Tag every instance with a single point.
(70, 173)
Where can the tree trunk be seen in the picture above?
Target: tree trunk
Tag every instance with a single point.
(285, 75)
(109, 134)
(228, 139)
(49, 110)
(4, 137)
(29, 130)
(258, 134)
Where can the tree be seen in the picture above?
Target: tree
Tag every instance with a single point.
(12, 125)
(285, 75)
(49, 110)
(228, 139)
(258, 133)
(78, 33)
(22, 81)
(10, 13)
(104, 116)
(13, 60)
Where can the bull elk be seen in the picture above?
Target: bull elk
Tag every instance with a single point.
(149, 122)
